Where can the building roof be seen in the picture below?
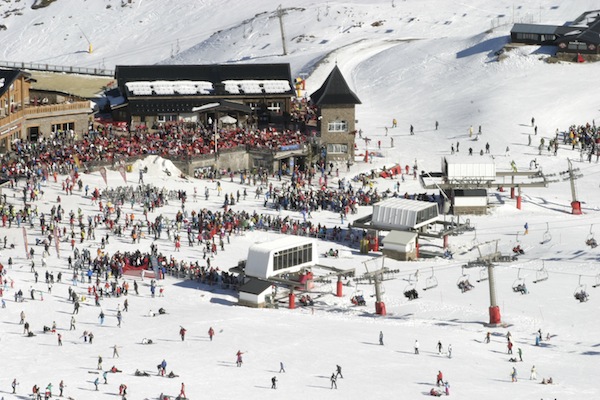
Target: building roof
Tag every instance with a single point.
(533, 28)
(400, 203)
(7, 77)
(334, 90)
(255, 286)
(279, 244)
(591, 34)
(399, 237)
(203, 80)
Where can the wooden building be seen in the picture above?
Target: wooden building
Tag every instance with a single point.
(27, 117)
(336, 115)
(253, 94)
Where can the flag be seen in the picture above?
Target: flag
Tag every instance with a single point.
(56, 242)
(122, 171)
(25, 240)
(103, 173)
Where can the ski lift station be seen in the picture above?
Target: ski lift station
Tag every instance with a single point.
(400, 245)
(468, 180)
(288, 263)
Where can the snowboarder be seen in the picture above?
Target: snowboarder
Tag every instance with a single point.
(381, 338)
(274, 382)
(533, 375)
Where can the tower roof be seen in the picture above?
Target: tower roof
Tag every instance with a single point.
(334, 90)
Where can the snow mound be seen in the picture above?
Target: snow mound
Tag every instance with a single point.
(157, 166)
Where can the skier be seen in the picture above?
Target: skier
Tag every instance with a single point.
(72, 323)
(61, 387)
(439, 347)
(440, 378)
(99, 362)
(274, 382)
(105, 377)
(115, 351)
(338, 371)
(412, 130)
(239, 361)
(14, 385)
(381, 338)
(526, 226)
(520, 353)
(59, 337)
(509, 346)
(182, 333)
(449, 351)
(333, 380)
(416, 346)
(487, 337)
(281, 368)
(96, 381)
(182, 391)
(211, 333)
(533, 375)
(513, 374)
(436, 125)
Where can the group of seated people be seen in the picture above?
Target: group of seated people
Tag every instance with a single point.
(358, 300)
(306, 300)
(147, 341)
(518, 250)
(411, 294)
(435, 392)
(465, 285)
(331, 253)
(520, 288)
(581, 295)
(548, 381)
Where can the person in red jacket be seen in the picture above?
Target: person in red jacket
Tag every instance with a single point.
(182, 333)
(182, 392)
(440, 378)
(211, 333)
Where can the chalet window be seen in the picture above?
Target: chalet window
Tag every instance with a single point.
(336, 148)
(577, 46)
(166, 117)
(275, 106)
(63, 127)
(252, 105)
(337, 126)
(527, 36)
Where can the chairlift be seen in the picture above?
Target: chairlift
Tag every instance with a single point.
(580, 292)
(410, 291)
(590, 240)
(595, 285)
(519, 284)
(463, 282)
(483, 275)
(431, 281)
(541, 275)
(547, 236)
(358, 299)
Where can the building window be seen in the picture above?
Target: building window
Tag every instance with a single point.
(336, 148)
(577, 46)
(63, 127)
(166, 117)
(292, 257)
(337, 126)
(274, 106)
(253, 105)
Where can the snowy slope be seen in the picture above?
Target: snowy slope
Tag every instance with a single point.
(428, 61)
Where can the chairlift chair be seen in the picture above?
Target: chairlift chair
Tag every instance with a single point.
(595, 285)
(463, 282)
(431, 281)
(519, 285)
(547, 236)
(580, 292)
(483, 275)
(590, 240)
(541, 275)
